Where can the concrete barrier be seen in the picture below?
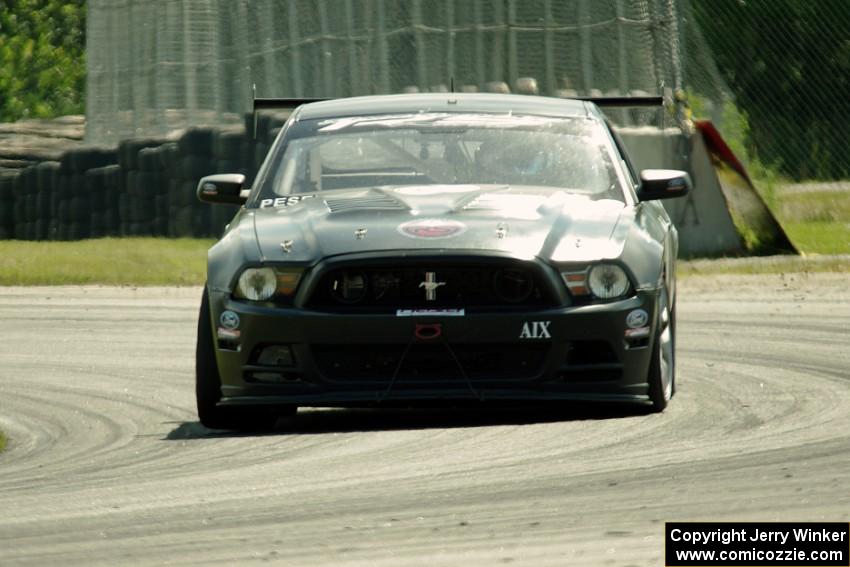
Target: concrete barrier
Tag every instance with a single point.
(723, 215)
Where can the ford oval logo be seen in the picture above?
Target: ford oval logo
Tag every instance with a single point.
(637, 318)
(432, 228)
(229, 320)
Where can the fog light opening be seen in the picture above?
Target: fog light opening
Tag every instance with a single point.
(273, 377)
(637, 338)
(228, 339)
(276, 355)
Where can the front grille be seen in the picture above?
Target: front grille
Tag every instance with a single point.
(377, 288)
(583, 353)
(374, 363)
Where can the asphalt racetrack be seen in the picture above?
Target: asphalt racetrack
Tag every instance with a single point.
(107, 464)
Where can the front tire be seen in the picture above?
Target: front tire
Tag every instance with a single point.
(662, 367)
(208, 386)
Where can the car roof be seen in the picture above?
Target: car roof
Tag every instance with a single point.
(445, 102)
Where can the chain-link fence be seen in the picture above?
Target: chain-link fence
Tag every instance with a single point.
(772, 74)
(154, 65)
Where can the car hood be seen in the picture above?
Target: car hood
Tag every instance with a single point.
(524, 222)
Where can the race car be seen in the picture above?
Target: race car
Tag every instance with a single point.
(430, 248)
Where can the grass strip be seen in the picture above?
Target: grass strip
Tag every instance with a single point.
(817, 221)
(106, 261)
(756, 265)
(820, 237)
(162, 261)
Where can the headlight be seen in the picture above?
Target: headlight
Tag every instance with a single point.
(608, 281)
(256, 284)
(262, 284)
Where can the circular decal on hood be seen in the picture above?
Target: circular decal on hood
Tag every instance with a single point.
(432, 228)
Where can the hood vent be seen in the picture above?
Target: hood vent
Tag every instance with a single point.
(483, 202)
(371, 203)
(525, 203)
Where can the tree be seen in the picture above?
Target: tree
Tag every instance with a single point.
(42, 58)
(788, 64)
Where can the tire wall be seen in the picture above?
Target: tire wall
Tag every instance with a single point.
(144, 187)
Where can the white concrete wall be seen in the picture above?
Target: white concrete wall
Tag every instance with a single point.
(702, 218)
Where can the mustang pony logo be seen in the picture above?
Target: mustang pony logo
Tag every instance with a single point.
(431, 284)
(432, 228)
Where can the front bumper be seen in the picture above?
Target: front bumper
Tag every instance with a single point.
(568, 353)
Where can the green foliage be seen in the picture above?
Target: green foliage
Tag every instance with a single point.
(42, 62)
(765, 177)
(737, 135)
(788, 64)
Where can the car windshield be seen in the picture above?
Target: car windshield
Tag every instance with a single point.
(569, 154)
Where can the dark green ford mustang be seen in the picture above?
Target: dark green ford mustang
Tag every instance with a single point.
(419, 248)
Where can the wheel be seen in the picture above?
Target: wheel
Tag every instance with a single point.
(208, 387)
(662, 367)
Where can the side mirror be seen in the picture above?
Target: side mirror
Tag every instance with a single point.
(224, 188)
(663, 184)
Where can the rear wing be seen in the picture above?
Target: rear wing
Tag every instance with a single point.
(279, 104)
(282, 103)
(600, 101)
(631, 110)
(623, 101)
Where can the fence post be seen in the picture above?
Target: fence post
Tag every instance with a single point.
(296, 49)
(450, 41)
(586, 52)
(622, 59)
(137, 61)
(116, 58)
(266, 28)
(419, 40)
(243, 71)
(513, 73)
(479, 44)
(354, 87)
(327, 54)
(673, 38)
(549, 48)
(499, 41)
(383, 56)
